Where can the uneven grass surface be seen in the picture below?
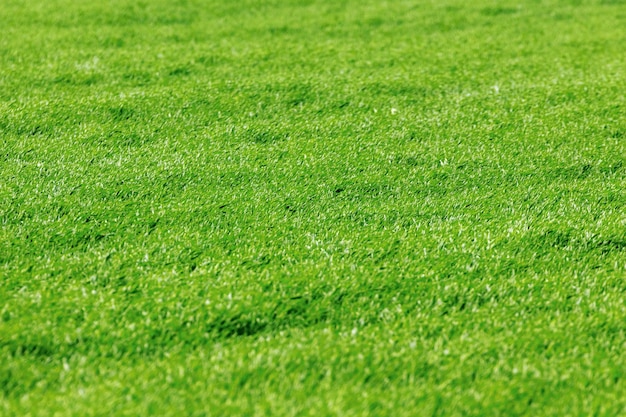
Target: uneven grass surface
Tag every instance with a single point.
(300, 207)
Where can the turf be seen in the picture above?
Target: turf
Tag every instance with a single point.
(312, 207)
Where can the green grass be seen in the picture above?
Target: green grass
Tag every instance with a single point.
(312, 207)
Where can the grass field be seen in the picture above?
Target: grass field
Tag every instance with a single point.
(312, 207)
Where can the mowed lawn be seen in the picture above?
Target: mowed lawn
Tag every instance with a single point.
(312, 207)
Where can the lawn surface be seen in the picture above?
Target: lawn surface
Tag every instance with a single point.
(312, 207)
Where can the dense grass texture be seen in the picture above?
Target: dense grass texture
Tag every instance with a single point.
(312, 207)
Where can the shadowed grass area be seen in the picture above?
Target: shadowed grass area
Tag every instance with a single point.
(312, 208)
